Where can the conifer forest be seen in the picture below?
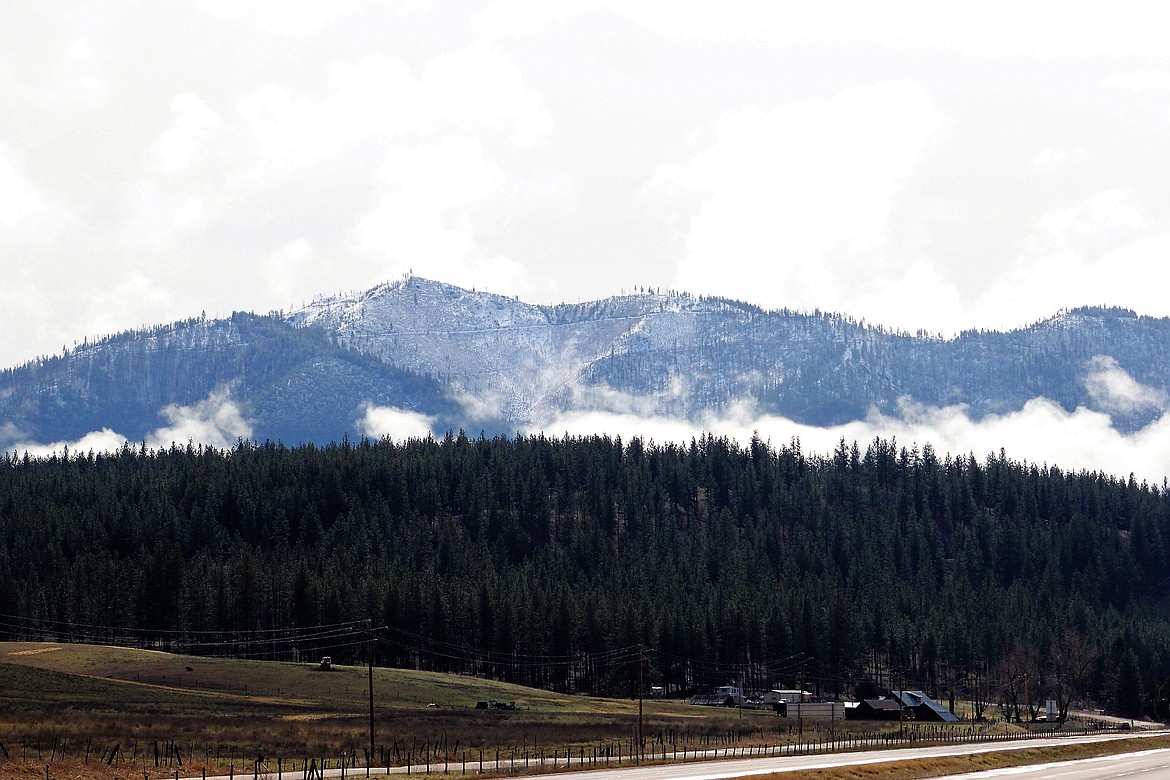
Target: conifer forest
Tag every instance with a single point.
(554, 562)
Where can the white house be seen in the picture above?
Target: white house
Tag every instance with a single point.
(790, 696)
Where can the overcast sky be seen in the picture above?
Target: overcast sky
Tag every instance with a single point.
(917, 165)
(920, 165)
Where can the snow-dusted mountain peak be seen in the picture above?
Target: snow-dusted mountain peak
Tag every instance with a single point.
(468, 358)
(528, 360)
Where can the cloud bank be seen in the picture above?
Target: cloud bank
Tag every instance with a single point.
(1040, 432)
(216, 421)
(380, 422)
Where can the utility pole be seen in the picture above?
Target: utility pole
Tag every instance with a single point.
(902, 705)
(639, 704)
(742, 690)
(1027, 694)
(800, 700)
(370, 659)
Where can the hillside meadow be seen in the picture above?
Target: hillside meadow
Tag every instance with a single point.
(64, 704)
(89, 712)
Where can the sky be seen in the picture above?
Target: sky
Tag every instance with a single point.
(920, 165)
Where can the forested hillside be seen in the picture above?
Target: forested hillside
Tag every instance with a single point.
(460, 358)
(295, 384)
(544, 561)
(685, 356)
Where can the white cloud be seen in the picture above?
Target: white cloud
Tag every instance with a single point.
(1108, 216)
(660, 429)
(1092, 253)
(286, 267)
(511, 18)
(424, 216)
(122, 300)
(603, 399)
(1056, 159)
(1135, 275)
(193, 125)
(280, 17)
(478, 409)
(797, 200)
(379, 99)
(1040, 432)
(216, 422)
(82, 77)
(388, 421)
(477, 87)
(1113, 389)
(104, 440)
(1142, 80)
(289, 128)
(914, 300)
(997, 28)
(22, 208)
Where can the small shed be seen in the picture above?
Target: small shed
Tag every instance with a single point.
(875, 709)
(828, 710)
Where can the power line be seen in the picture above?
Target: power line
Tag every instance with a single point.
(183, 632)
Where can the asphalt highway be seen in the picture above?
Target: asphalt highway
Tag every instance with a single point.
(1146, 764)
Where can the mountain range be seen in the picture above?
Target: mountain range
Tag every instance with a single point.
(479, 361)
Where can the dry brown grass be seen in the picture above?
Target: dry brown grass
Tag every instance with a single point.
(57, 700)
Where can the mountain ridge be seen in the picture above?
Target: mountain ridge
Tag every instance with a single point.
(471, 359)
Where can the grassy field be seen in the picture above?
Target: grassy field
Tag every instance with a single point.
(85, 711)
(82, 700)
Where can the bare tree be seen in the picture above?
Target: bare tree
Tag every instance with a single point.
(1072, 660)
(979, 688)
(1018, 678)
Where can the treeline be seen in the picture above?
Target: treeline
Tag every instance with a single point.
(299, 383)
(552, 561)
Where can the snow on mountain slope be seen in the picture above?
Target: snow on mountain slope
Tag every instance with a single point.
(476, 360)
(683, 356)
(525, 360)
